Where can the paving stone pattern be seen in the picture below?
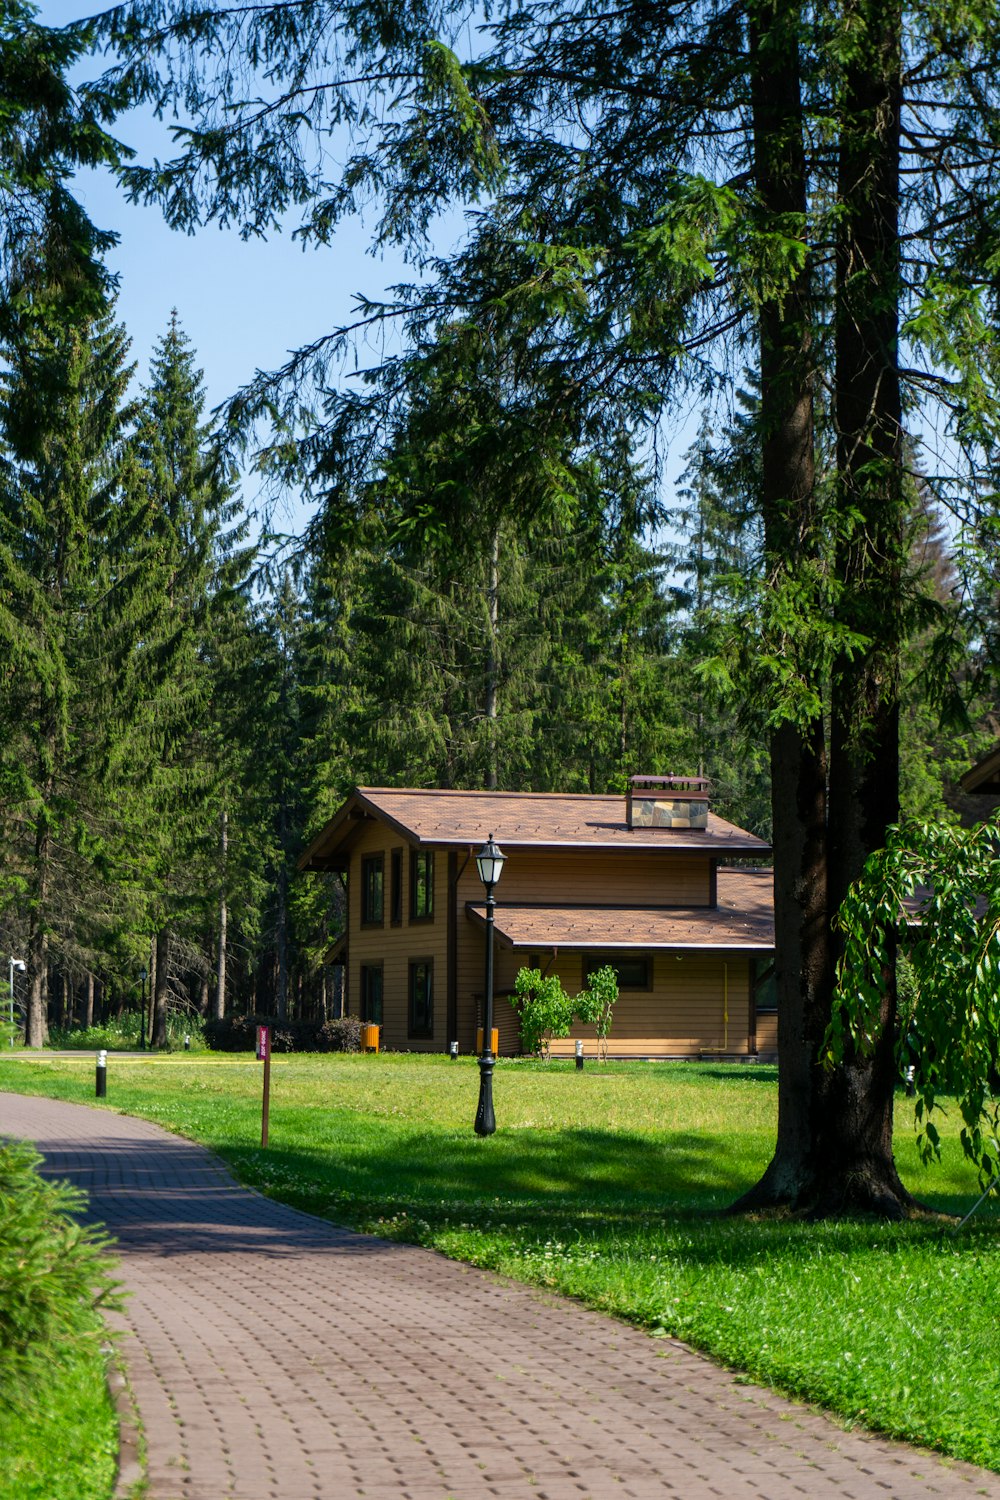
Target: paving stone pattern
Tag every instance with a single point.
(275, 1357)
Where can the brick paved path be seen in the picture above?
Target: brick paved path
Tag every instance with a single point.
(272, 1355)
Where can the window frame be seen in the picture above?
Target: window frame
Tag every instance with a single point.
(366, 971)
(598, 961)
(762, 983)
(426, 857)
(396, 887)
(412, 1031)
(369, 864)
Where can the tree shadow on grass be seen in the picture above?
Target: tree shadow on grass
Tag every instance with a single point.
(172, 1198)
(582, 1176)
(577, 1168)
(741, 1072)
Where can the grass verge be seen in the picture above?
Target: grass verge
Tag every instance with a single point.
(606, 1185)
(63, 1444)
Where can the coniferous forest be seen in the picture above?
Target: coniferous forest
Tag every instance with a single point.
(782, 220)
(185, 701)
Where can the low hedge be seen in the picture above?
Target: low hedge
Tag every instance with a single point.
(239, 1034)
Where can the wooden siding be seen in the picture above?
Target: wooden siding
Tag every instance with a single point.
(566, 876)
(396, 947)
(682, 1015)
(767, 1033)
(581, 877)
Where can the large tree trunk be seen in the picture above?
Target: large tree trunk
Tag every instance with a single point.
(161, 990)
(803, 969)
(219, 1001)
(36, 1031)
(834, 1149)
(88, 1004)
(281, 948)
(855, 1104)
(492, 658)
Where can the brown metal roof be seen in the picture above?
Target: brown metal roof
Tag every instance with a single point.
(984, 776)
(744, 918)
(518, 820)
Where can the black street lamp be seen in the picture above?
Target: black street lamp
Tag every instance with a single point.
(490, 863)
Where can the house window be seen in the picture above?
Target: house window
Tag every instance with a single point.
(371, 993)
(421, 1019)
(396, 887)
(633, 973)
(764, 989)
(371, 890)
(421, 885)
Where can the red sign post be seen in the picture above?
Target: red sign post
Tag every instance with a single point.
(264, 1056)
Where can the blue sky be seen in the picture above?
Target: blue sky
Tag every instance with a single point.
(244, 305)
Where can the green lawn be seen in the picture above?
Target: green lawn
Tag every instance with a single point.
(606, 1184)
(63, 1445)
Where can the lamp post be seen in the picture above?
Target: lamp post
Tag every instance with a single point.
(19, 964)
(490, 863)
(142, 1010)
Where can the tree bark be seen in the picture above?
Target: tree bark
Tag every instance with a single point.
(855, 1104)
(161, 989)
(219, 1001)
(834, 1146)
(803, 968)
(36, 1030)
(88, 1003)
(492, 658)
(281, 948)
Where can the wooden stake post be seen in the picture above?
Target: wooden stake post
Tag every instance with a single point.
(264, 1056)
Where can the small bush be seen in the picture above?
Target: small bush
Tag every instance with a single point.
(543, 1008)
(546, 1011)
(239, 1034)
(596, 1005)
(341, 1035)
(55, 1274)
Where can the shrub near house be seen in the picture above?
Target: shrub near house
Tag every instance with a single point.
(546, 1013)
(239, 1034)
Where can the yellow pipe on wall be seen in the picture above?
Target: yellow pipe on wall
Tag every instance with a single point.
(725, 1012)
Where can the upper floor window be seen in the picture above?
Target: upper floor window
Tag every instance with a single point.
(396, 887)
(372, 881)
(421, 884)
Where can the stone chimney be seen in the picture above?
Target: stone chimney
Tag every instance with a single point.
(667, 802)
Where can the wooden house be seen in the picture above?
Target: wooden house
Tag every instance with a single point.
(644, 882)
(983, 779)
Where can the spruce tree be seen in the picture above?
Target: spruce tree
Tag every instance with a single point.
(65, 525)
(197, 562)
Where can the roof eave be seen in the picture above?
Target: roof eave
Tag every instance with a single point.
(324, 851)
(984, 777)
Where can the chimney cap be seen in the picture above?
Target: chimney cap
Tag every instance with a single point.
(697, 784)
